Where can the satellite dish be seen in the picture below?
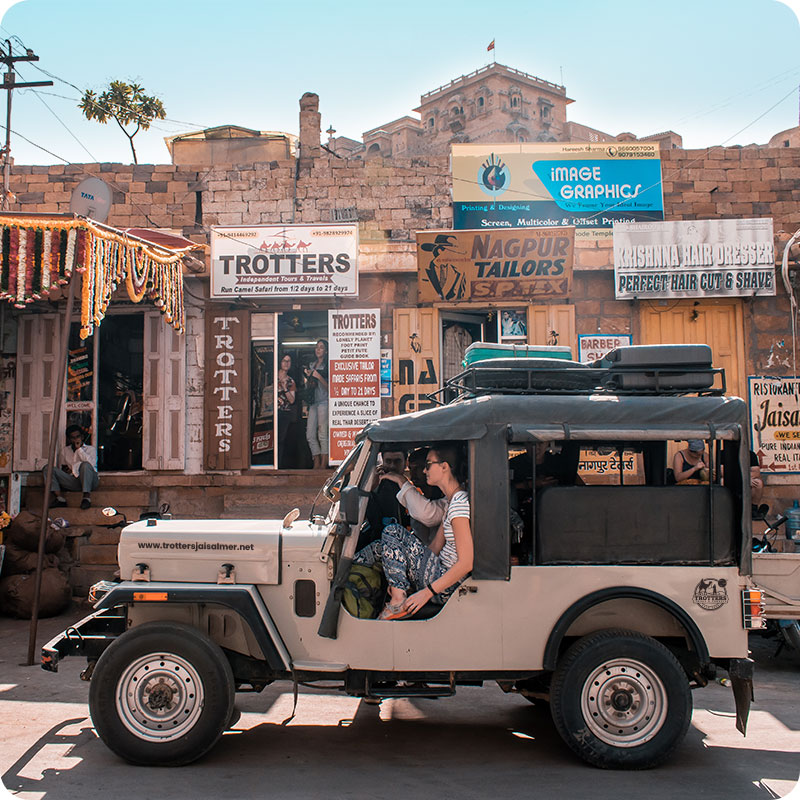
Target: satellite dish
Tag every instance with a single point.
(91, 198)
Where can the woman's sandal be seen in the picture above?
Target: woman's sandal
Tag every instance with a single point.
(394, 611)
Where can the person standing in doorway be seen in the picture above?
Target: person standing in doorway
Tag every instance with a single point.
(78, 470)
(317, 424)
(287, 400)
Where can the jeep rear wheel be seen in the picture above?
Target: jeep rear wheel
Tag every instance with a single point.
(161, 694)
(620, 700)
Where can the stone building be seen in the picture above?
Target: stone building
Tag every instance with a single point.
(135, 357)
(495, 103)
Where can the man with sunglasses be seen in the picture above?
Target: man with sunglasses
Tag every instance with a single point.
(425, 503)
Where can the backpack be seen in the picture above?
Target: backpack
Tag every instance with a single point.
(364, 591)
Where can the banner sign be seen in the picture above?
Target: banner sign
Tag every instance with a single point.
(694, 258)
(601, 467)
(227, 390)
(354, 376)
(594, 346)
(589, 186)
(775, 423)
(284, 260)
(522, 264)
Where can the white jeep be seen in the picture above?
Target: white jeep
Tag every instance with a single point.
(611, 599)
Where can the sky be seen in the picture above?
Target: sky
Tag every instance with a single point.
(715, 71)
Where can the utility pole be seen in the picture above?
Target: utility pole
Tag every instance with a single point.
(9, 84)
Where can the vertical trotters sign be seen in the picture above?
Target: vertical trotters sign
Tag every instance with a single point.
(227, 398)
(354, 372)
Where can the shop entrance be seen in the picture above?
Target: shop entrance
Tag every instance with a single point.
(298, 334)
(104, 390)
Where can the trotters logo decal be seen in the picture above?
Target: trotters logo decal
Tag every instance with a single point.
(711, 593)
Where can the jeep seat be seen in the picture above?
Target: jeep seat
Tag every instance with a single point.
(634, 525)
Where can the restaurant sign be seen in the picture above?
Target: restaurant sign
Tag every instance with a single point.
(775, 423)
(694, 258)
(284, 261)
(513, 264)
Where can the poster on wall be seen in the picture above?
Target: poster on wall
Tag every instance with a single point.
(594, 346)
(543, 185)
(386, 373)
(485, 266)
(775, 423)
(354, 362)
(284, 261)
(694, 258)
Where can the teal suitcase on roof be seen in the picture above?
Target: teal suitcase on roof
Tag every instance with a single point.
(480, 351)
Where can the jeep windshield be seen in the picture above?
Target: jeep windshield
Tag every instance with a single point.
(342, 476)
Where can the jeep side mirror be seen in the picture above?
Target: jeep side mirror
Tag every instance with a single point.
(349, 501)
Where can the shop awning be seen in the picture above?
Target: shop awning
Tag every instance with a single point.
(39, 252)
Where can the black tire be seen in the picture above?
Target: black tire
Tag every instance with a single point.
(791, 633)
(161, 694)
(642, 679)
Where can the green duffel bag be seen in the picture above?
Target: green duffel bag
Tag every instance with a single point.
(364, 591)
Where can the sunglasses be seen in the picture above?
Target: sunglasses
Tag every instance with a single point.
(429, 464)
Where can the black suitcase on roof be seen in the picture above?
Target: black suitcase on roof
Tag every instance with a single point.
(659, 366)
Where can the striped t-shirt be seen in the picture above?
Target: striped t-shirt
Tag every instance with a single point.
(458, 507)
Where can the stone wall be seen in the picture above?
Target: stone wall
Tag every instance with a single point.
(393, 199)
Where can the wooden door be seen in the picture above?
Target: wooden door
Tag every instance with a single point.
(717, 323)
(415, 371)
(545, 321)
(164, 419)
(39, 350)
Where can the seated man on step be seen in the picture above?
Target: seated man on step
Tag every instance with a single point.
(78, 470)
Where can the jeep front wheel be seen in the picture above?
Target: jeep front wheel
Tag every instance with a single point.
(161, 694)
(620, 700)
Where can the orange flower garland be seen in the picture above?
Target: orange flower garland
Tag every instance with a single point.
(106, 258)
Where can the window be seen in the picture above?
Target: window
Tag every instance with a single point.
(481, 103)
(622, 508)
(431, 122)
(514, 101)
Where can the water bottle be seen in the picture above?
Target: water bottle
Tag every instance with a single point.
(793, 522)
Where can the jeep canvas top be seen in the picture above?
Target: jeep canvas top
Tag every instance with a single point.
(603, 590)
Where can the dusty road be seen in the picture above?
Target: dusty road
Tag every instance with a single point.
(479, 744)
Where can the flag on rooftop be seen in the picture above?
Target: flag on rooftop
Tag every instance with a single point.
(491, 46)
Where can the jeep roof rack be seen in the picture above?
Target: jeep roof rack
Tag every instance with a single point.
(632, 370)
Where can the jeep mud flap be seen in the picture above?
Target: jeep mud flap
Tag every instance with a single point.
(740, 671)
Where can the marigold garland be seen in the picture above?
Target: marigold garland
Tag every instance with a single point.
(34, 265)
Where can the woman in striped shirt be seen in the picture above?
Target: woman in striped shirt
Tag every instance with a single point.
(431, 572)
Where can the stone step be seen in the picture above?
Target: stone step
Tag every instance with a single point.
(268, 504)
(95, 554)
(101, 497)
(82, 577)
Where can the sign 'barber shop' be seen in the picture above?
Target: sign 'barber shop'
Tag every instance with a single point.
(284, 261)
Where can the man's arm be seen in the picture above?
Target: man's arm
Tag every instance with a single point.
(428, 512)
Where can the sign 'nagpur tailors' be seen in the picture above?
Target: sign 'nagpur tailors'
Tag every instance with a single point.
(589, 186)
(459, 266)
(284, 260)
(694, 258)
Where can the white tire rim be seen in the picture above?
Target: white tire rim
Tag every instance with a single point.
(159, 697)
(624, 703)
